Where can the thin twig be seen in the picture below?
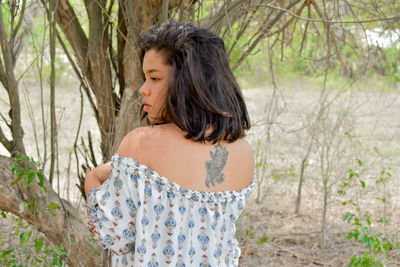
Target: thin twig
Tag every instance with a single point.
(391, 18)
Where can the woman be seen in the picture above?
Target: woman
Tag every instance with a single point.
(173, 191)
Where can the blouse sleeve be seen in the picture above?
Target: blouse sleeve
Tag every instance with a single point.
(112, 212)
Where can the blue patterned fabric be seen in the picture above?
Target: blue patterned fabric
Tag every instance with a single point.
(147, 220)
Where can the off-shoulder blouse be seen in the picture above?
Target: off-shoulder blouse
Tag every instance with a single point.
(148, 220)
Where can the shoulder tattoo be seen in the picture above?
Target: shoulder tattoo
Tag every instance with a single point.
(216, 165)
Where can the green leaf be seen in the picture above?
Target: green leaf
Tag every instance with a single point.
(3, 214)
(28, 178)
(24, 238)
(32, 205)
(27, 170)
(353, 203)
(57, 250)
(41, 179)
(15, 169)
(31, 176)
(357, 222)
(39, 244)
(379, 239)
(368, 219)
(16, 181)
(365, 230)
(55, 261)
(389, 258)
(348, 217)
(5, 253)
(356, 261)
(53, 206)
(262, 240)
(362, 184)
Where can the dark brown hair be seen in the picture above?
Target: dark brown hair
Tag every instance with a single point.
(202, 91)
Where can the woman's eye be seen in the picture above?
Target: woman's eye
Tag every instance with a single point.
(154, 79)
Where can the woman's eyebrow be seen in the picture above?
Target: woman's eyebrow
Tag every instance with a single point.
(152, 70)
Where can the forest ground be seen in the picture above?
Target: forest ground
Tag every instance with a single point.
(268, 231)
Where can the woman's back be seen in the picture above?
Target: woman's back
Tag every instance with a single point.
(164, 148)
(150, 220)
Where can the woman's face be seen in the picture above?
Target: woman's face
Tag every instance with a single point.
(155, 87)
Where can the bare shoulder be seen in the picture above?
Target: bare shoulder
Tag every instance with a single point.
(138, 143)
(245, 146)
(242, 155)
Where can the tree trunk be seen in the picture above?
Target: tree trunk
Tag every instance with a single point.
(301, 177)
(100, 82)
(300, 187)
(138, 17)
(7, 77)
(61, 226)
(323, 224)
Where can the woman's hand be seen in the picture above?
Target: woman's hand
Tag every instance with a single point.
(96, 177)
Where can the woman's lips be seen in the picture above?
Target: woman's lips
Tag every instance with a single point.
(146, 107)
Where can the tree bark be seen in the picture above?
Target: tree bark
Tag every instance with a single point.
(53, 119)
(138, 18)
(11, 85)
(69, 24)
(100, 82)
(64, 228)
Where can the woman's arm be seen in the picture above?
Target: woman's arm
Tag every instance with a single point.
(96, 177)
(127, 148)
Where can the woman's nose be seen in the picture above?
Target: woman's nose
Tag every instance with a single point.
(144, 91)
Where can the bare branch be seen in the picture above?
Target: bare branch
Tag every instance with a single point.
(286, 10)
(332, 35)
(52, 11)
(19, 23)
(5, 142)
(121, 42)
(70, 26)
(305, 30)
(242, 29)
(3, 76)
(12, 89)
(164, 11)
(216, 23)
(78, 74)
(265, 30)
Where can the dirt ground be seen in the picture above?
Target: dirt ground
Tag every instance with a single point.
(269, 232)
